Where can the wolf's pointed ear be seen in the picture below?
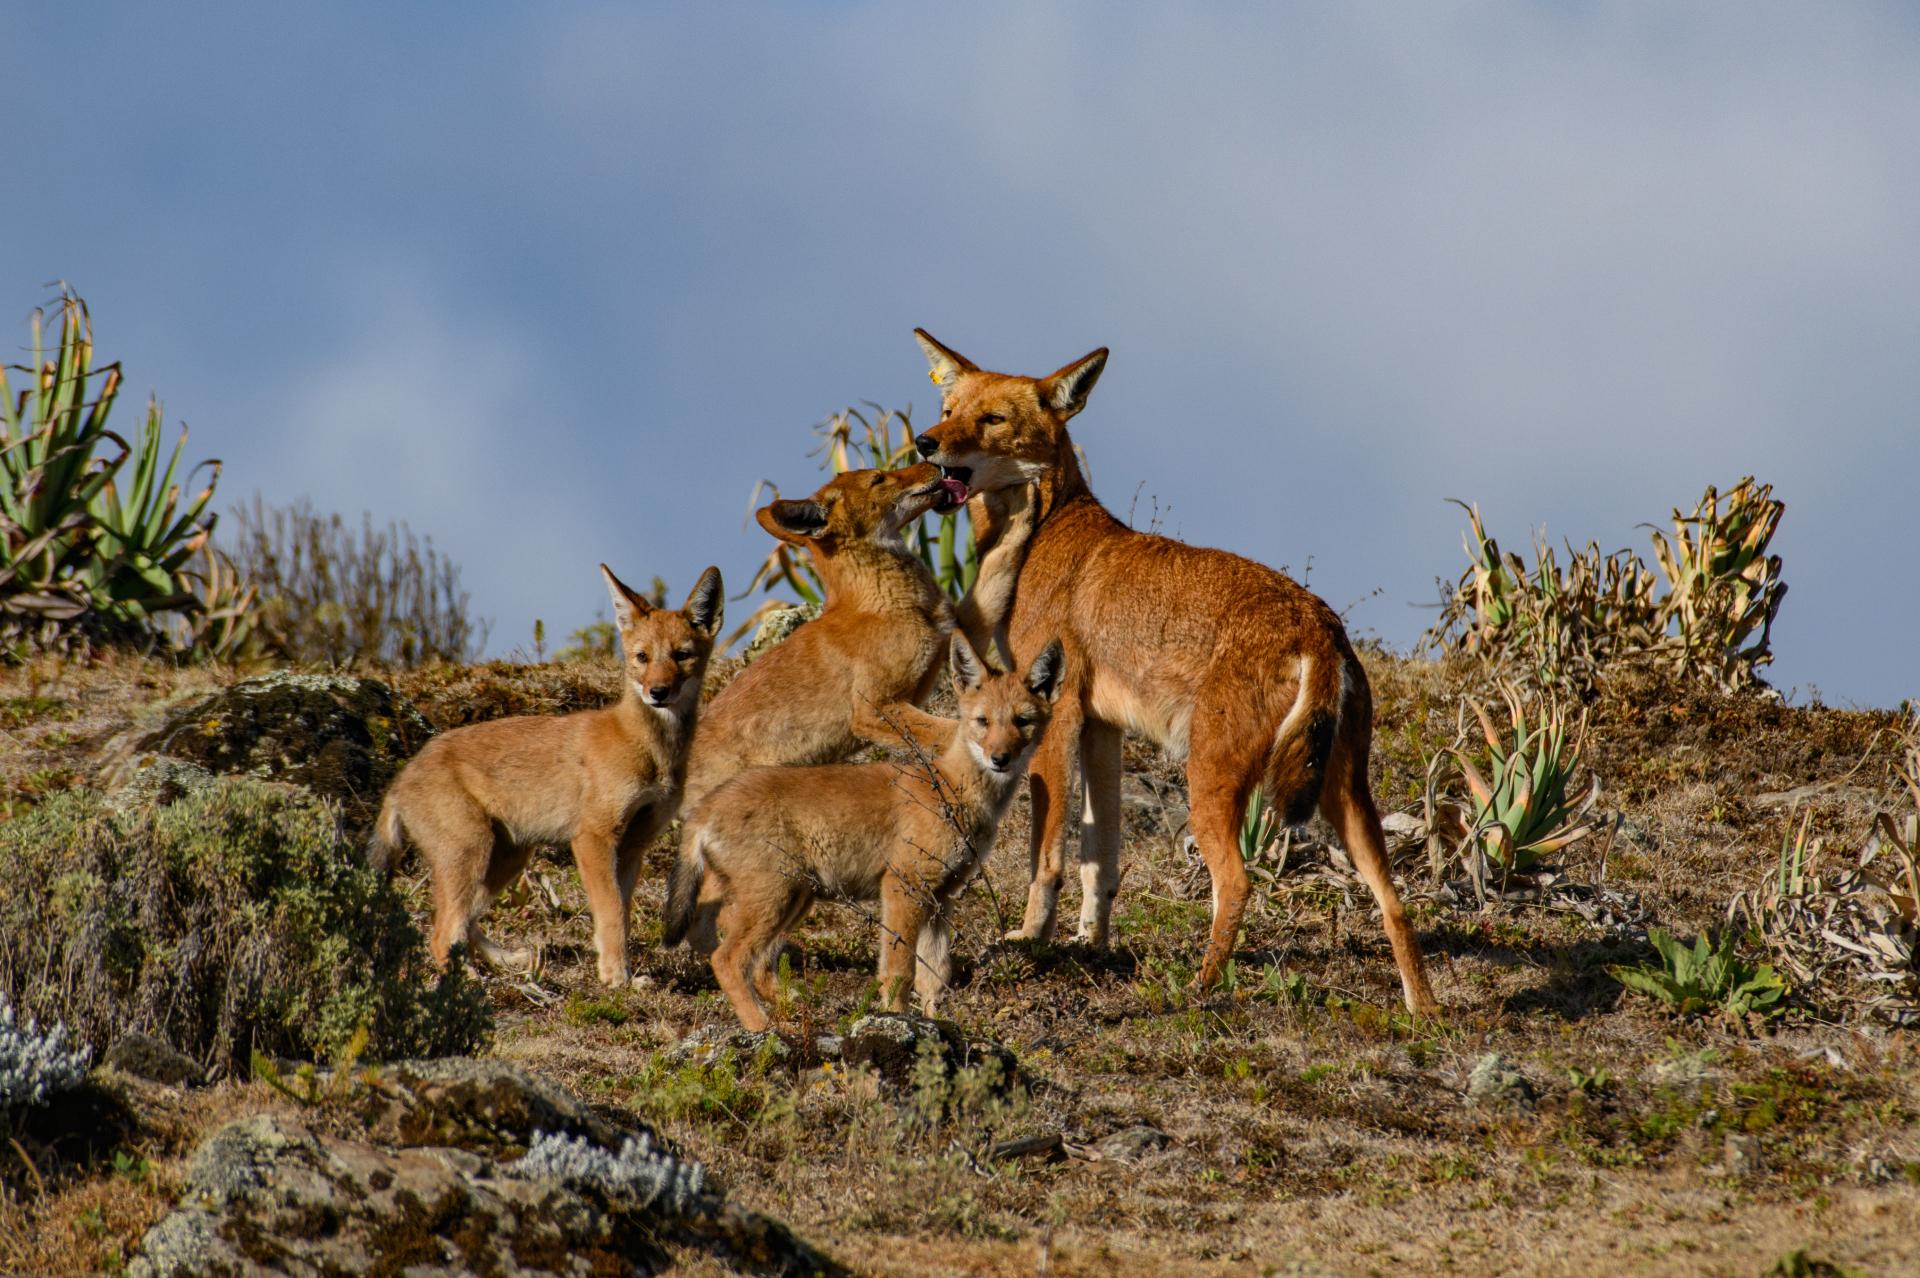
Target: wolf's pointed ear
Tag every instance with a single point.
(1066, 391)
(1043, 676)
(967, 671)
(628, 606)
(794, 522)
(946, 365)
(705, 605)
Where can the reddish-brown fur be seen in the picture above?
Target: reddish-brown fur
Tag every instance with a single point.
(878, 641)
(770, 840)
(1210, 655)
(476, 801)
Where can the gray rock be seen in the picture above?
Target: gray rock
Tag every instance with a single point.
(710, 1042)
(1130, 1144)
(892, 1042)
(1494, 1081)
(776, 626)
(144, 1056)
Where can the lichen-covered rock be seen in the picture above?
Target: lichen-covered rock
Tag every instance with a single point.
(776, 626)
(341, 736)
(153, 1059)
(269, 1195)
(472, 1103)
(892, 1043)
(1494, 1081)
(709, 1043)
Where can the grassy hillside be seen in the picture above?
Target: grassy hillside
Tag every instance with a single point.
(1300, 1122)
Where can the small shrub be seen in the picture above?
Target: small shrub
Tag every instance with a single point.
(639, 1171)
(1706, 977)
(36, 1064)
(331, 596)
(232, 919)
(1846, 925)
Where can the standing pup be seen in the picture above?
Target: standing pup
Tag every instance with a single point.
(879, 640)
(1214, 658)
(773, 839)
(476, 801)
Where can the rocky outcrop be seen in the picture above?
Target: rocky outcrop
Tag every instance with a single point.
(340, 736)
(464, 1167)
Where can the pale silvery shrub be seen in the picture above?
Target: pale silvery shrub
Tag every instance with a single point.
(34, 1064)
(638, 1171)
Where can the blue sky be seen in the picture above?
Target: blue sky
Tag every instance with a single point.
(559, 283)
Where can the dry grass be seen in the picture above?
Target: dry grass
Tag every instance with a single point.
(1312, 1131)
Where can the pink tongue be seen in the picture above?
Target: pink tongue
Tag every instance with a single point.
(956, 491)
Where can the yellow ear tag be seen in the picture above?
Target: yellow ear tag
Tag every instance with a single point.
(933, 375)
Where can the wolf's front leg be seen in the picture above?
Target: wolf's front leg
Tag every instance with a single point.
(594, 854)
(1100, 829)
(1049, 785)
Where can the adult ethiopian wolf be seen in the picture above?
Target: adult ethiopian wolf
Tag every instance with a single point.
(1216, 659)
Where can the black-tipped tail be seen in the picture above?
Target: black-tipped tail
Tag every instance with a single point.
(683, 891)
(1297, 768)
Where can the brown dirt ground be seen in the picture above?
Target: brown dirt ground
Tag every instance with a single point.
(1315, 1130)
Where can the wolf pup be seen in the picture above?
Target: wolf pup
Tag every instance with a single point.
(1218, 660)
(476, 801)
(879, 640)
(773, 839)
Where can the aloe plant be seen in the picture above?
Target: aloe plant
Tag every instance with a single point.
(1713, 622)
(1525, 805)
(1724, 589)
(87, 546)
(1706, 976)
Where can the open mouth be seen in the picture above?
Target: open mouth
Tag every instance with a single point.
(953, 479)
(949, 489)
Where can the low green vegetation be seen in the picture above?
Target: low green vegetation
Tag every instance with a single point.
(1525, 805)
(1708, 976)
(230, 918)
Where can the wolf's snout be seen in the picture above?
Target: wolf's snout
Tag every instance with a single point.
(660, 693)
(927, 444)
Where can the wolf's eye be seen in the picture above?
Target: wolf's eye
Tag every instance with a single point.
(1022, 721)
(683, 654)
(991, 419)
(980, 720)
(640, 656)
(877, 480)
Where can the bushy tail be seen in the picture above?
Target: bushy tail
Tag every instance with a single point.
(683, 889)
(1297, 766)
(388, 839)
